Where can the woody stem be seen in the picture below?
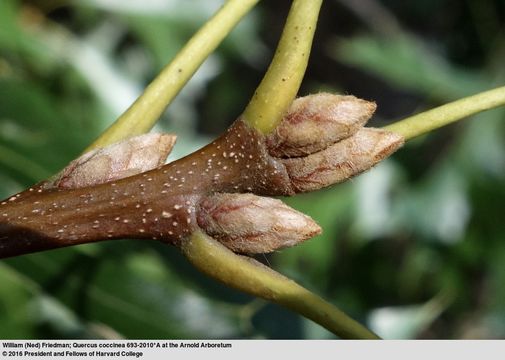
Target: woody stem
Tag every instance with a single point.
(159, 204)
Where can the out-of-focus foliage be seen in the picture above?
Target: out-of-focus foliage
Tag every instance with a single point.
(415, 248)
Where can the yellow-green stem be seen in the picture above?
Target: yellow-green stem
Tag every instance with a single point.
(432, 119)
(282, 80)
(250, 276)
(145, 111)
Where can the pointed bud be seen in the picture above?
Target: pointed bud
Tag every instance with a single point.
(251, 224)
(314, 122)
(342, 160)
(126, 158)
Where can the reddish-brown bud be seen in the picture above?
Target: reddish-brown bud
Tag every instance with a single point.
(117, 161)
(342, 160)
(314, 122)
(251, 224)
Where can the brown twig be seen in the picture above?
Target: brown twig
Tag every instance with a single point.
(158, 204)
(164, 203)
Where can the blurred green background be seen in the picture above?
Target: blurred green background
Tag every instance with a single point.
(414, 248)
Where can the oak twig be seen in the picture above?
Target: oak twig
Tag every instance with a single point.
(262, 153)
(164, 203)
